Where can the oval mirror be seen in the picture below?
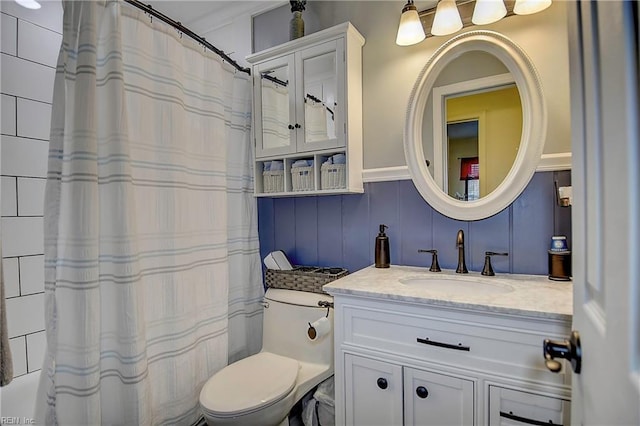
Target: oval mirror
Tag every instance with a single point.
(475, 127)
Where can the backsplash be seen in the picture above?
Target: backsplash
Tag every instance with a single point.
(340, 230)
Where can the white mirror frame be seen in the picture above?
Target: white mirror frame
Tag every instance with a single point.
(534, 125)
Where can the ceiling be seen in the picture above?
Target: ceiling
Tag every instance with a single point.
(205, 15)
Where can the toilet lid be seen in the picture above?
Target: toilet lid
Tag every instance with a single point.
(249, 384)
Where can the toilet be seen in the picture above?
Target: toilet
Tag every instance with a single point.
(261, 389)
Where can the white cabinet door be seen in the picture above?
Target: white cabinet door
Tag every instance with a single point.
(274, 107)
(320, 99)
(511, 407)
(437, 399)
(300, 100)
(373, 392)
(603, 47)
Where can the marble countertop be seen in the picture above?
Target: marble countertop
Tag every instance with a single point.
(532, 295)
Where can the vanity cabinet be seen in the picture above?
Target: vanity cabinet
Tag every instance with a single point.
(444, 364)
(383, 393)
(307, 107)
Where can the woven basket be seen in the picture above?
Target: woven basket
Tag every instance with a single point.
(273, 181)
(303, 278)
(333, 176)
(302, 178)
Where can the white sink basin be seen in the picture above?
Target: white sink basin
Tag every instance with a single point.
(454, 285)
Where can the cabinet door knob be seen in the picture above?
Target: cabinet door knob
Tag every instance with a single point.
(290, 127)
(382, 383)
(297, 126)
(422, 392)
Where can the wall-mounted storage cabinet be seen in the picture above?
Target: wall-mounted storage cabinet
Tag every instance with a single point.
(307, 114)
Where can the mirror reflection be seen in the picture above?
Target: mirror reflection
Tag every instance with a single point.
(275, 107)
(319, 97)
(472, 126)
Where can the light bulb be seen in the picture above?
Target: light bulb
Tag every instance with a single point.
(527, 7)
(410, 30)
(447, 19)
(488, 11)
(29, 4)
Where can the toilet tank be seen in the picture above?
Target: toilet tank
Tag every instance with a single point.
(287, 315)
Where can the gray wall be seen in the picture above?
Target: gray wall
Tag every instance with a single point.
(390, 71)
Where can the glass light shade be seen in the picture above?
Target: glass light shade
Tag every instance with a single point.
(488, 11)
(527, 7)
(447, 19)
(410, 30)
(29, 4)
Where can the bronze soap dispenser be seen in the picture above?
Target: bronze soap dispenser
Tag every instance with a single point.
(382, 249)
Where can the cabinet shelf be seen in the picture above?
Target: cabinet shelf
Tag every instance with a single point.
(320, 177)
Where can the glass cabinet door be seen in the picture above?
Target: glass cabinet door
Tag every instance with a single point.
(275, 122)
(319, 98)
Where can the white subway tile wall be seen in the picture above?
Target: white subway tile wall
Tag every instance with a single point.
(8, 114)
(31, 275)
(11, 277)
(27, 79)
(19, 352)
(30, 46)
(9, 196)
(9, 35)
(24, 157)
(22, 236)
(25, 314)
(36, 344)
(31, 196)
(34, 119)
(38, 44)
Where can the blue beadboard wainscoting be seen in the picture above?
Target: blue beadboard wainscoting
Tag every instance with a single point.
(340, 230)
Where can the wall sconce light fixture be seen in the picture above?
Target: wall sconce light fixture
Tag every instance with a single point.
(410, 30)
(447, 18)
(488, 11)
(450, 16)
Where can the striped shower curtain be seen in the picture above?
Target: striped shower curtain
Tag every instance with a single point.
(152, 271)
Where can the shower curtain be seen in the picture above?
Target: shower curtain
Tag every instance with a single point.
(152, 269)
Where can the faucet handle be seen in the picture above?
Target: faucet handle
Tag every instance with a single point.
(487, 269)
(435, 267)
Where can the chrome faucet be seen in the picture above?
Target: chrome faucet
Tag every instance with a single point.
(462, 266)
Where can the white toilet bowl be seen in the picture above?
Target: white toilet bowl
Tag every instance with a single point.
(261, 389)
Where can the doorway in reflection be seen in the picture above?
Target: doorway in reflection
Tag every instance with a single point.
(484, 129)
(462, 141)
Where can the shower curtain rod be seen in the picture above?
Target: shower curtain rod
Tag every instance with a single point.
(177, 25)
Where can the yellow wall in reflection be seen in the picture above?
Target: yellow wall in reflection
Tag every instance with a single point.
(500, 128)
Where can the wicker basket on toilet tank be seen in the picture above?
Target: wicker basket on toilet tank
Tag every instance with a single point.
(303, 278)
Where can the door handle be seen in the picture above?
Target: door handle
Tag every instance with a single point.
(566, 349)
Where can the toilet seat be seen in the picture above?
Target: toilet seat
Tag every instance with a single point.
(258, 381)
